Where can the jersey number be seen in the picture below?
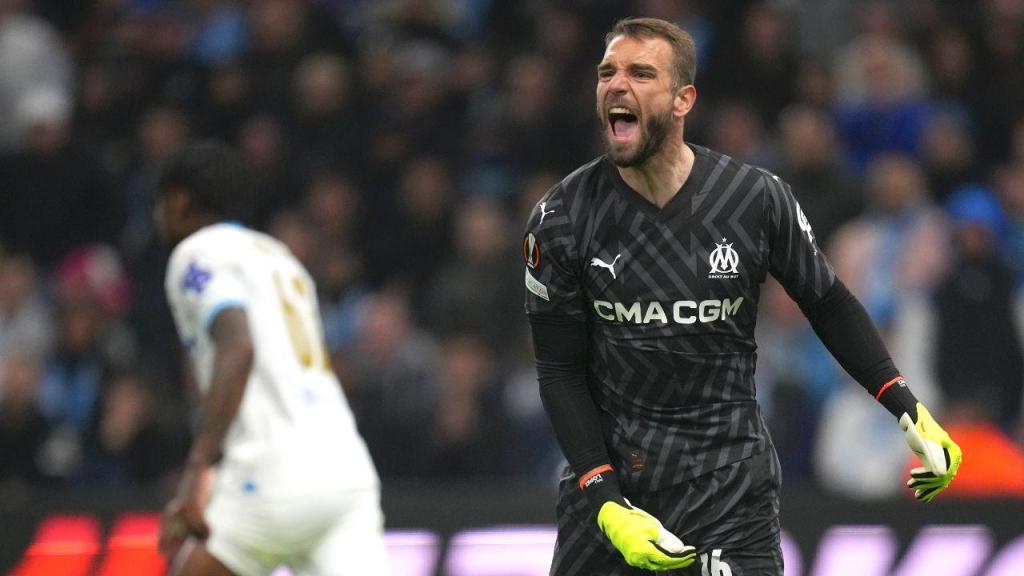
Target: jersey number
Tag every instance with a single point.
(303, 329)
(714, 566)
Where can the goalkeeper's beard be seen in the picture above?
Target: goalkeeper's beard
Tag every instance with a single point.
(653, 132)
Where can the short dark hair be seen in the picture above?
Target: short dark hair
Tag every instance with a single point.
(214, 176)
(684, 51)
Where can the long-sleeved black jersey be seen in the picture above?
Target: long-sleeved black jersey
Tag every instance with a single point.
(669, 298)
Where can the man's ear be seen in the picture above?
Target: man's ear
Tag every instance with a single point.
(684, 100)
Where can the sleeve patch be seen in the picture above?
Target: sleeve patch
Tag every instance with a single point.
(805, 226)
(531, 251)
(196, 278)
(535, 286)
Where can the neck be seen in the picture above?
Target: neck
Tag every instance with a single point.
(195, 223)
(661, 176)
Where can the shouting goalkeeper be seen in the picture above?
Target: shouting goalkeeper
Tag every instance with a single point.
(643, 272)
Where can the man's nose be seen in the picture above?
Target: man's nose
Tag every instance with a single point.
(618, 83)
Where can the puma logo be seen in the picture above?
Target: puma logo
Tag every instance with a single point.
(602, 264)
(543, 213)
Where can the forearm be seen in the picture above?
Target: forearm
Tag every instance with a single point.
(843, 325)
(574, 418)
(561, 352)
(232, 363)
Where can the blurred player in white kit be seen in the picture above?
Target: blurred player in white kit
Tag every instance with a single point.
(277, 473)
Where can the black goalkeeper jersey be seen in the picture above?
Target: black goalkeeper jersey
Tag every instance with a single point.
(669, 297)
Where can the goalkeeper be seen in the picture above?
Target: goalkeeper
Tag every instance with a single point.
(643, 272)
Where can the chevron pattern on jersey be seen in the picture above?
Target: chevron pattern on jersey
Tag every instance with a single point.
(670, 297)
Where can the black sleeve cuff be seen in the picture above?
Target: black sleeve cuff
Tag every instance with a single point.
(897, 398)
(602, 485)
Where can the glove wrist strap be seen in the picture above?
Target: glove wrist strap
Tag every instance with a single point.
(602, 485)
(897, 398)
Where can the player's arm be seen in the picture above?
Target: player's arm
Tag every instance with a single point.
(232, 362)
(206, 294)
(561, 341)
(558, 319)
(560, 347)
(846, 330)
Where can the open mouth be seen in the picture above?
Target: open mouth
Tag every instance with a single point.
(623, 121)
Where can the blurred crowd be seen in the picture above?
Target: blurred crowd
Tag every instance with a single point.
(397, 146)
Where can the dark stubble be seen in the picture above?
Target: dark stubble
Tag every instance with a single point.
(656, 128)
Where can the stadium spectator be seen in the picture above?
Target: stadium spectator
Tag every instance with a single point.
(52, 183)
(343, 294)
(895, 250)
(264, 146)
(536, 118)
(420, 103)
(1002, 73)
(978, 347)
(737, 130)
(815, 86)
(92, 343)
(23, 429)
(419, 223)
(472, 433)
(325, 130)
(762, 62)
(128, 446)
(32, 59)
(26, 321)
(827, 193)
(948, 153)
(391, 377)
(99, 117)
(332, 206)
(281, 33)
(952, 68)
(475, 289)
(485, 151)
(882, 106)
(336, 222)
(161, 131)
(225, 101)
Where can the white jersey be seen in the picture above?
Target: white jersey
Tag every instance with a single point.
(294, 431)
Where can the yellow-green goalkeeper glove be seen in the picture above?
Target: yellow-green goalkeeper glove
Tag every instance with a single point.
(940, 456)
(641, 538)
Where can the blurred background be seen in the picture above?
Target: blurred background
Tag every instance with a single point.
(398, 147)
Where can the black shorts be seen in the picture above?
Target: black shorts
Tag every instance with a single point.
(731, 515)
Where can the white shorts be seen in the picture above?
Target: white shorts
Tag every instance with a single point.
(341, 535)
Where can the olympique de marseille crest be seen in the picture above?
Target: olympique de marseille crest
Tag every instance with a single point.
(724, 261)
